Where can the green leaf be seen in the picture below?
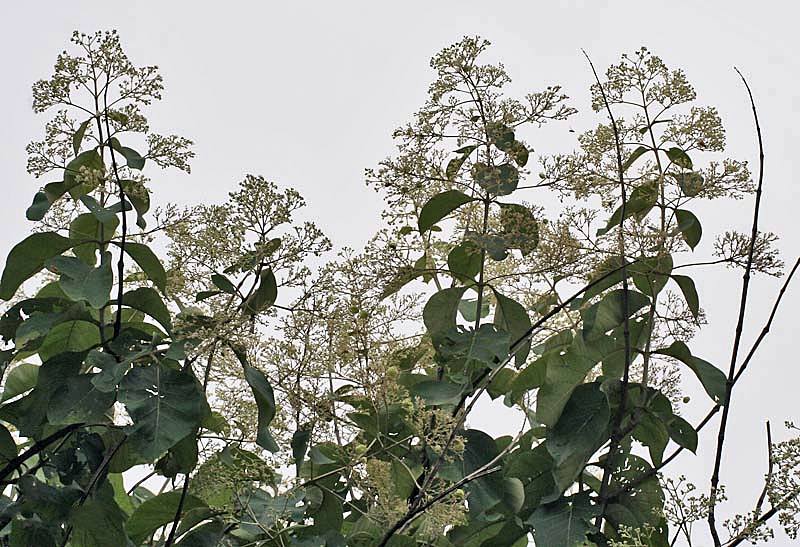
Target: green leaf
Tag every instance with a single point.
(439, 206)
(652, 433)
(8, 446)
(78, 401)
(689, 291)
(156, 512)
(565, 370)
(689, 227)
(97, 523)
(683, 433)
(77, 138)
(579, 432)
(265, 401)
(609, 313)
(713, 379)
(165, 405)
(299, 445)
(439, 313)
(90, 159)
(71, 336)
(500, 135)
(149, 263)
(510, 316)
(264, 296)
(520, 228)
(690, 183)
(640, 201)
(468, 308)
(520, 153)
(635, 155)
(565, 522)
(181, 458)
(79, 281)
(454, 165)
(639, 505)
(148, 300)
(28, 257)
(134, 159)
(38, 208)
(464, 260)
(530, 377)
(679, 157)
(650, 274)
(139, 196)
(22, 378)
(85, 231)
(497, 180)
(438, 392)
(223, 283)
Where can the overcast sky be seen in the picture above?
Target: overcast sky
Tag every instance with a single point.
(307, 94)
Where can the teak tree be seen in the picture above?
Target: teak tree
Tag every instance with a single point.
(286, 406)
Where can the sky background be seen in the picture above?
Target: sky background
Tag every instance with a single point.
(308, 93)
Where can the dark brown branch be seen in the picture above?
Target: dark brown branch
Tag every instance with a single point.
(37, 447)
(723, 425)
(616, 438)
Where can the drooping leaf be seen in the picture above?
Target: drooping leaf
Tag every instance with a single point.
(22, 378)
(520, 228)
(454, 165)
(640, 201)
(610, 312)
(496, 180)
(679, 157)
(139, 196)
(86, 231)
(439, 314)
(28, 257)
(690, 183)
(439, 206)
(99, 522)
(156, 512)
(464, 260)
(148, 300)
(578, 433)
(635, 155)
(689, 227)
(265, 294)
(38, 209)
(689, 291)
(223, 283)
(149, 263)
(565, 522)
(165, 406)
(132, 157)
(300, 445)
(500, 135)
(77, 138)
(683, 433)
(713, 379)
(71, 336)
(79, 281)
(265, 401)
(511, 317)
(437, 392)
(79, 401)
(652, 433)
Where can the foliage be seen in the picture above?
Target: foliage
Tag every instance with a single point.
(286, 405)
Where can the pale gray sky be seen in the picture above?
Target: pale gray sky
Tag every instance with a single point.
(307, 94)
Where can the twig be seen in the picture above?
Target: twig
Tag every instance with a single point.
(768, 478)
(615, 428)
(739, 327)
